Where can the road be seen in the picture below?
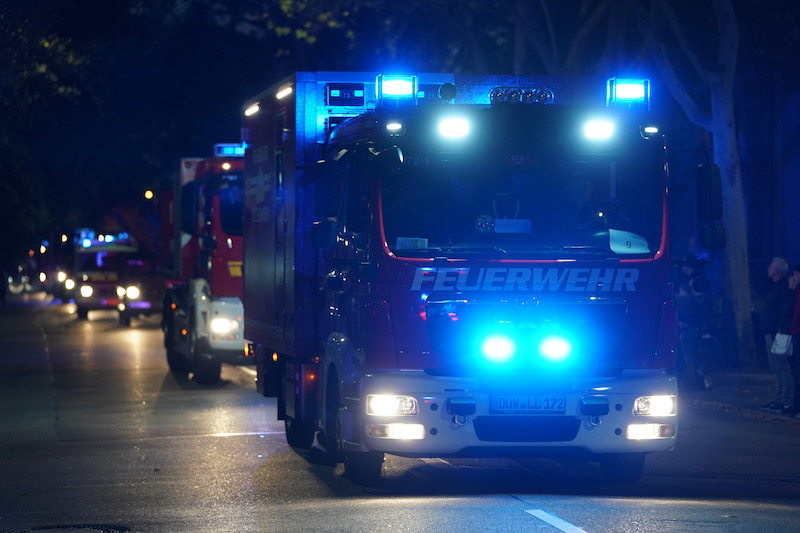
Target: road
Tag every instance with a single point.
(97, 435)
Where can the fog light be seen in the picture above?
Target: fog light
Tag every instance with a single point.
(391, 405)
(396, 431)
(650, 431)
(655, 406)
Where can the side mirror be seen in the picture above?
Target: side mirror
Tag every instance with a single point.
(709, 207)
(387, 162)
(323, 234)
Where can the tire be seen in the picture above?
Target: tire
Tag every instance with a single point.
(124, 319)
(177, 363)
(83, 313)
(207, 370)
(363, 468)
(299, 433)
(622, 467)
(329, 436)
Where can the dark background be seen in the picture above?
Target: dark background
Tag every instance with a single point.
(100, 98)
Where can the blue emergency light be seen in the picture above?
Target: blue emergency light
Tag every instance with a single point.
(628, 92)
(397, 90)
(228, 150)
(397, 86)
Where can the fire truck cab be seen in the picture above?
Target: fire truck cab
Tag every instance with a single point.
(446, 265)
(202, 308)
(98, 262)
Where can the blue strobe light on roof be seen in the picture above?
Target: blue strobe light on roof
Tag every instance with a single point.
(628, 92)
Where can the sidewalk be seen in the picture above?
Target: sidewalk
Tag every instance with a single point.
(740, 393)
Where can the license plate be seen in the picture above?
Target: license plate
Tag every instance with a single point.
(528, 404)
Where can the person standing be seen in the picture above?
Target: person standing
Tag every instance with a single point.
(779, 304)
(794, 330)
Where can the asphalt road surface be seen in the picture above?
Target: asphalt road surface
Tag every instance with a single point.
(97, 435)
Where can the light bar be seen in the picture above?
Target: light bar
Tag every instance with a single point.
(228, 150)
(396, 86)
(521, 95)
(628, 93)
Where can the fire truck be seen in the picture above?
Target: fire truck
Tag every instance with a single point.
(202, 238)
(446, 265)
(98, 261)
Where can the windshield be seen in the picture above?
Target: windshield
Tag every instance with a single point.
(101, 260)
(525, 204)
(231, 201)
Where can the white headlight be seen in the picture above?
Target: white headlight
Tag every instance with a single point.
(454, 128)
(655, 406)
(69, 284)
(598, 129)
(86, 291)
(223, 326)
(133, 292)
(391, 405)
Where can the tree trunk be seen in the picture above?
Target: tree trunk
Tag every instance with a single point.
(736, 270)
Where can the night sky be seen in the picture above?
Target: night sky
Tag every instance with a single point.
(100, 99)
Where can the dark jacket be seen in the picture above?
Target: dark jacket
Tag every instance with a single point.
(778, 308)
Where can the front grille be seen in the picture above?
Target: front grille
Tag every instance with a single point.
(526, 428)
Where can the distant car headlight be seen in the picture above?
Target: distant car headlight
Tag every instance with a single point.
(69, 284)
(86, 291)
(133, 292)
(120, 292)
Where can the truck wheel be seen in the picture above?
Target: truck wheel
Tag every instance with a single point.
(178, 364)
(299, 433)
(363, 468)
(207, 370)
(622, 467)
(331, 431)
(83, 313)
(124, 319)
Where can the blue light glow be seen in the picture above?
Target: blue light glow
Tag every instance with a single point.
(599, 129)
(498, 348)
(454, 127)
(396, 86)
(627, 92)
(555, 348)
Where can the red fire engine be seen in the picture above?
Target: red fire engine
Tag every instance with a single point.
(456, 265)
(202, 231)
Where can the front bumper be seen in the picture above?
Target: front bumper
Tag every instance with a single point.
(457, 417)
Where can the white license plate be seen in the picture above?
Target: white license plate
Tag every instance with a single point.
(528, 404)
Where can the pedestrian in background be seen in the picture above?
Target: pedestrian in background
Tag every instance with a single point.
(779, 304)
(794, 329)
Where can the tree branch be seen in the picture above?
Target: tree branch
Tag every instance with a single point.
(669, 75)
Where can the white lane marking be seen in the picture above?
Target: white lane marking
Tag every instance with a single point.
(555, 521)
